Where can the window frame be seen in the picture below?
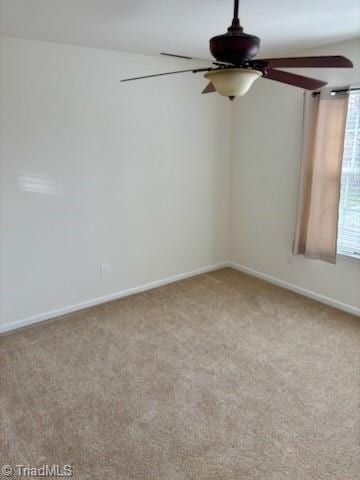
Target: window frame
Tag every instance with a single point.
(343, 256)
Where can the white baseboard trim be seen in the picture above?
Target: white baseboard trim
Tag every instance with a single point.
(294, 288)
(7, 327)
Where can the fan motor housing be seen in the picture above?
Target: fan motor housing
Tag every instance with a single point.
(234, 47)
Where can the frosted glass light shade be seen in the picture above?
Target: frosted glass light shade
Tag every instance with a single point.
(232, 82)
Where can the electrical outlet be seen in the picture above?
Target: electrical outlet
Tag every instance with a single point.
(104, 270)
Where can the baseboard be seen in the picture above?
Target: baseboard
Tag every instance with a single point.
(158, 283)
(106, 298)
(294, 288)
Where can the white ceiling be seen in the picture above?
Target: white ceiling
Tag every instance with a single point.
(182, 26)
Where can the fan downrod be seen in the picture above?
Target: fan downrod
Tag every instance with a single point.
(235, 46)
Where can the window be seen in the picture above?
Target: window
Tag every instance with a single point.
(348, 242)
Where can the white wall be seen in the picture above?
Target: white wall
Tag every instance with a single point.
(266, 151)
(94, 171)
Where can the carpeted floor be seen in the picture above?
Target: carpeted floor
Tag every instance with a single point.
(219, 377)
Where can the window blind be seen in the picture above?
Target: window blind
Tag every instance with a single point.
(348, 242)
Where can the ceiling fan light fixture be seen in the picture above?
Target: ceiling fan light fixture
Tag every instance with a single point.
(233, 82)
(235, 50)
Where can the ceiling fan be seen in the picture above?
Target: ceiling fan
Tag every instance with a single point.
(235, 70)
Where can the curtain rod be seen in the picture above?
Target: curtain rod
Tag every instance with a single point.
(342, 90)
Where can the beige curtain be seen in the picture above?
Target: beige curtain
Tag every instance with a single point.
(320, 175)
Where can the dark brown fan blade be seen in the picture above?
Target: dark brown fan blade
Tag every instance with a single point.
(209, 88)
(332, 61)
(307, 83)
(193, 58)
(176, 56)
(166, 73)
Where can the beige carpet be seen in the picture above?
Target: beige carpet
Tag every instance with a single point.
(219, 377)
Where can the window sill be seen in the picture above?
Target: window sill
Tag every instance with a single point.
(347, 258)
